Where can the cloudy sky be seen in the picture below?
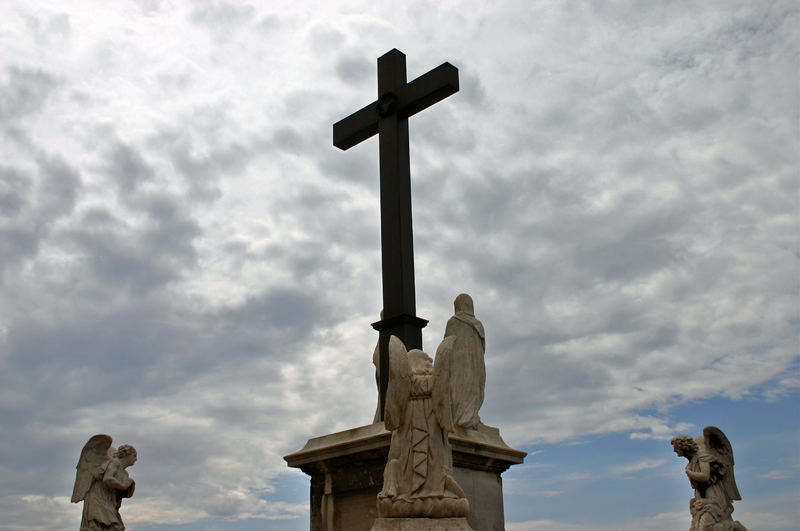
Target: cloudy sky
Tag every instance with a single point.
(189, 265)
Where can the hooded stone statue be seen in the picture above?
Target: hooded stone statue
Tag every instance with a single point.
(468, 371)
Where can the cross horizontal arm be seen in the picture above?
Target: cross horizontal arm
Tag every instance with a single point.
(427, 89)
(412, 97)
(357, 127)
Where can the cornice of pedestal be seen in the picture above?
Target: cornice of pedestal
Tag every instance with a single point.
(480, 449)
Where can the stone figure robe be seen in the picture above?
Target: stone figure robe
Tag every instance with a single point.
(102, 502)
(467, 370)
(712, 506)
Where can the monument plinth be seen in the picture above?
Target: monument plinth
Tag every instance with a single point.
(421, 524)
(346, 470)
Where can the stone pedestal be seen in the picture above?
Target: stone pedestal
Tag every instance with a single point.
(421, 524)
(346, 470)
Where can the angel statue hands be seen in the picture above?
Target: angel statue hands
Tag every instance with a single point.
(710, 473)
(101, 482)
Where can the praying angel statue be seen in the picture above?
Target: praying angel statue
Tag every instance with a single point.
(101, 482)
(418, 478)
(710, 473)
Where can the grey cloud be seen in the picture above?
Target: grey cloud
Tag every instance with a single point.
(17, 243)
(357, 165)
(628, 250)
(536, 381)
(287, 139)
(194, 148)
(139, 260)
(758, 34)
(352, 70)
(624, 258)
(679, 59)
(440, 131)
(151, 7)
(72, 365)
(87, 359)
(626, 117)
(222, 18)
(172, 231)
(110, 347)
(284, 310)
(335, 223)
(471, 88)
(202, 173)
(483, 205)
(324, 38)
(36, 207)
(24, 91)
(103, 354)
(221, 12)
(59, 187)
(269, 23)
(50, 30)
(128, 167)
(697, 117)
(19, 236)
(15, 188)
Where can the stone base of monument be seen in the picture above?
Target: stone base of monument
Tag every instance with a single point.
(346, 470)
(421, 524)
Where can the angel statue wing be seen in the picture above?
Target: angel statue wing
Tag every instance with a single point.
(440, 395)
(399, 391)
(717, 443)
(95, 453)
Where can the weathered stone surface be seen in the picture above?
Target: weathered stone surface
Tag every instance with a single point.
(421, 524)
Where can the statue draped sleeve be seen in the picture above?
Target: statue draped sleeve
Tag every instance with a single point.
(442, 392)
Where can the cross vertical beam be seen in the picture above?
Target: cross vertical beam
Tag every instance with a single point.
(397, 241)
(388, 117)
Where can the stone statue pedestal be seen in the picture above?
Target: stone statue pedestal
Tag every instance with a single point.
(346, 470)
(421, 524)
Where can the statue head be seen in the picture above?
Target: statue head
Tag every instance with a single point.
(684, 445)
(126, 454)
(463, 303)
(419, 362)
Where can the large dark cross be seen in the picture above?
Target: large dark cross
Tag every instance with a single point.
(388, 117)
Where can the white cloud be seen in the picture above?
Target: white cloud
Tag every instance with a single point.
(638, 466)
(775, 474)
(659, 522)
(662, 431)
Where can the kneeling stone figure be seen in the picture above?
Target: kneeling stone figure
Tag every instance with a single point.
(418, 478)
